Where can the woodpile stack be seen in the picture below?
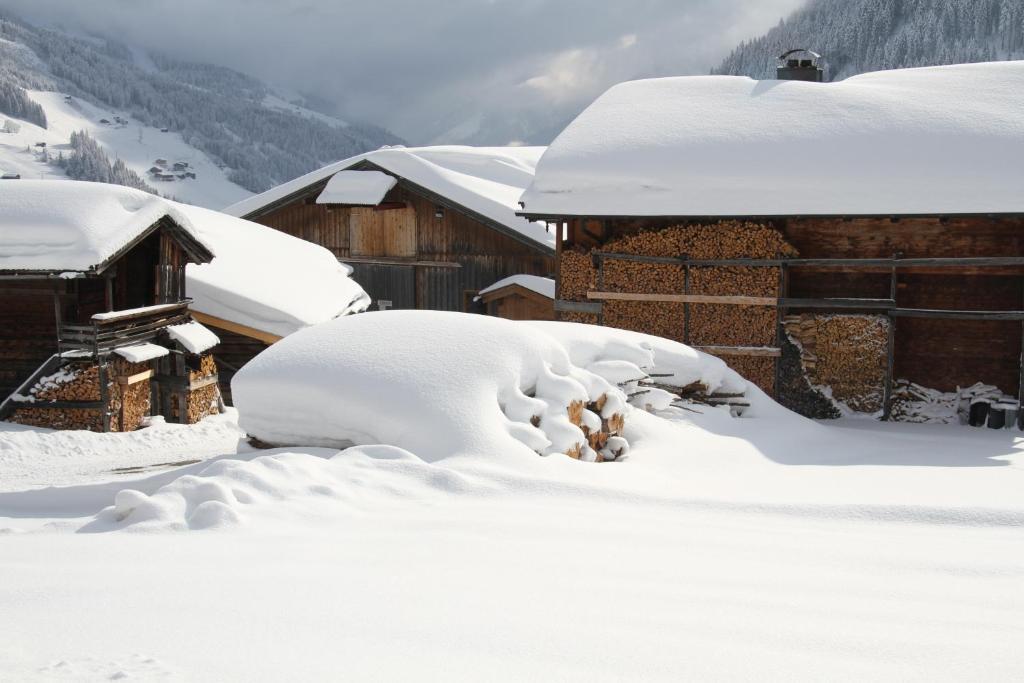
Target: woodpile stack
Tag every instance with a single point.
(79, 382)
(607, 441)
(577, 276)
(845, 355)
(204, 401)
(710, 324)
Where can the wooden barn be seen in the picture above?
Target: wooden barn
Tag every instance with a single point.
(851, 247)
(95, 331)
(423, 228)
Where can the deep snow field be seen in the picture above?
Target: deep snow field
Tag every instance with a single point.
(764, 547)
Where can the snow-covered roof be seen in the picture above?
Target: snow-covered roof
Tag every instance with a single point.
(195, 337)
(357, 187)
(259, 277)
(911, 141)
(49, 225)
(485, 180)
(544, 286)
(267, 280)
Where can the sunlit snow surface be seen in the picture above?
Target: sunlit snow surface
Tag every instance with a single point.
(767, 547)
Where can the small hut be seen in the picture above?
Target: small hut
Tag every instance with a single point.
(850, 247)
(520, 297)
(95, 331)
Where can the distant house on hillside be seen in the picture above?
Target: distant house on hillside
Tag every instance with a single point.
(422, 227)
(843, 244)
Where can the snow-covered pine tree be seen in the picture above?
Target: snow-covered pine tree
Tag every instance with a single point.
(89, 162)
(14, 101)
(856, 36)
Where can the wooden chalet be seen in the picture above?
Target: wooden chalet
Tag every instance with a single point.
(95, 330)
(423, 228)
(885, 264)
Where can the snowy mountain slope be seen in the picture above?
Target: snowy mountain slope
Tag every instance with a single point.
(139, 146)
(242, 135)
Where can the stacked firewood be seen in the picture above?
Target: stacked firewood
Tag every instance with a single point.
(607, 441)
(204, 401)
(845, 354)
(710, 324)
(80, 382)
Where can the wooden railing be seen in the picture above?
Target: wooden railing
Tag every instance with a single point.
(109, 331)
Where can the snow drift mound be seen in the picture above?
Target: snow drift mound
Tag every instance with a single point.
(445, 384)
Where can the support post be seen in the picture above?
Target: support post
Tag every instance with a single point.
(58, 317)
(890, 346)
(780, 312)
(686, 306)
(104, 394)
(109, 292)
(600, 287)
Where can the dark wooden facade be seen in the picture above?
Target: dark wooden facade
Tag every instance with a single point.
(931, 349)
(44, 313)
(415, 250)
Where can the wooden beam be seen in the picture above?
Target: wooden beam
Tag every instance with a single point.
(245, 331)
(578, 307)
(398, 262)
(686, 298)
(128, 380)
(956, 315)
(836, 304)
(757, 351)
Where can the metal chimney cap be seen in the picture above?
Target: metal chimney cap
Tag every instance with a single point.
(794, 51)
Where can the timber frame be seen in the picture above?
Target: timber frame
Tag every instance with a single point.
(895, 267)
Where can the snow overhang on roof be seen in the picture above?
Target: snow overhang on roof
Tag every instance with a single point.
(483, 182)
(929, 141)
(364, 188)
(543, 286)
(65, 226)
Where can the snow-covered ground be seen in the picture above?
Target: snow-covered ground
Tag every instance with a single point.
(137, 145)
(766, 547)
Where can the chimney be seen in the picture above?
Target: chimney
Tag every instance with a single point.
(799, 65)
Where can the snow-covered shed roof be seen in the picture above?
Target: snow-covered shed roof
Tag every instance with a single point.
(937, 140)
(544, 286)
(357, 187)
(258, 277)
(78, 227)
(266, 280)
(486, 181)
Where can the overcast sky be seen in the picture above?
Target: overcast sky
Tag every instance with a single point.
(424, 68)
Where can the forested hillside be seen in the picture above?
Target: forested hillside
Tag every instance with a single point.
(855, 36)
(216, 110)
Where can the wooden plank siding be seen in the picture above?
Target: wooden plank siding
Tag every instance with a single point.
(941, 354)
(432, 266)
(28, 328)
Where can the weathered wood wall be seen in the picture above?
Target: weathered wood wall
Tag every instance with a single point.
(412, 256)
(941, 354)
(234, 351)
(28, 328)
(521, 307)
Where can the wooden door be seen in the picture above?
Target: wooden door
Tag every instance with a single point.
(389, 233)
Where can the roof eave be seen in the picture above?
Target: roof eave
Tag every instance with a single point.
(366, 164)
